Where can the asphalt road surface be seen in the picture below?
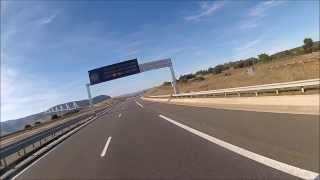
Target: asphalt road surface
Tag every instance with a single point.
(144, 140)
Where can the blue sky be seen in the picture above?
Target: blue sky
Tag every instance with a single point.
(47, 47)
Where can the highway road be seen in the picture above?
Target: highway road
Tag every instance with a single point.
(147, 140)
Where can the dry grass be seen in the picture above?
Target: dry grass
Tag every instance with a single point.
(282, 70)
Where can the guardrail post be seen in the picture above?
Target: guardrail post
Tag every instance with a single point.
(4, 162)
(302, 89)
(225, 94)
(18, 152)
(239, 94)
(33, 146)
(277, 92)
(24, 151)
(256, 93)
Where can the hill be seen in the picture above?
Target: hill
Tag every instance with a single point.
(288, 65)
(18, 124)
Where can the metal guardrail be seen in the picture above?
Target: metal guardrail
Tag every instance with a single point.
(248, 89)
(30, 141)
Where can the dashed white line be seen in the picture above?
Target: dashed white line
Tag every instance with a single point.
(139, 104)
(119, 116)
(286, 168)
(103, 153)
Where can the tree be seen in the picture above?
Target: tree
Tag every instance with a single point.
(307, 47)
(264, 57)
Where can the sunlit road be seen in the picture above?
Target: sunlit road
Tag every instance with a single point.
(144, 140)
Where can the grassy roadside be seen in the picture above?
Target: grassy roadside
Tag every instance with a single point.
(283, 69)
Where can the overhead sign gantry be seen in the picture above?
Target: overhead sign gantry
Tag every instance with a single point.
(127, 68)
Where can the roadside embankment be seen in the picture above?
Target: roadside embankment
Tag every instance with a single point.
(293, 104)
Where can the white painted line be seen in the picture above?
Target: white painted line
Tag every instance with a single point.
(139, 104)
(292, 170)
(119, 115)
(33, 163)
(103, 153)
(62, 138)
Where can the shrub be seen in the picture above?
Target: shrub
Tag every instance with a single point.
(37, 123)
(166, 83)
(227, 74)
(186, 77)
(308, 43)
(54, 116)
(202, 72)
(198, 78)
(27, 127)
(264, 57)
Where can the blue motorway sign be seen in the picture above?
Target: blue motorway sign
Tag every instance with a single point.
(114, 71)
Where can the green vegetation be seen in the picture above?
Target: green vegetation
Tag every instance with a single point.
(198, 78)
(27, 127)
(166, 83)
(264, 57)
(308, 47)
(308, 43)
(55, 116)
(186, 77)
(37, 123)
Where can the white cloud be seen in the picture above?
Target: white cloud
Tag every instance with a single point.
(249, 44)
(249, 23)
(48, 19)
(23, 92)
(262, 7)
(257, 13)
(206, 9)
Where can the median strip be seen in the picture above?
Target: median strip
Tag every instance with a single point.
(286, 168)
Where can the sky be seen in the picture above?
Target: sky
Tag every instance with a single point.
(47, 47)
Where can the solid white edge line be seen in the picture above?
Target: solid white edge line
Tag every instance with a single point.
(139, 104)
(292, 170)
(58, 145)
(103, 153)
(43, 156)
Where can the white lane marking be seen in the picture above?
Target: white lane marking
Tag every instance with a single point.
(119, 115)
(54, 148)
(139, 104)
(292, 170)
(103, 153)
(43, 156)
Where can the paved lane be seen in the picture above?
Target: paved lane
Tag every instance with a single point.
(289, 138)
(143, 146)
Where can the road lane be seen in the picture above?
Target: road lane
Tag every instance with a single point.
(292, 139)
(144, 147)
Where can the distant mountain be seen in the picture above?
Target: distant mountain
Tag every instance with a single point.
(85, 103)
(18, 124)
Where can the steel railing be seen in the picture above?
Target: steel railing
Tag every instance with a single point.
(53, 132)
(301, 85)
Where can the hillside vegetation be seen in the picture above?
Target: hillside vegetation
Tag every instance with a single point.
(290, 65)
